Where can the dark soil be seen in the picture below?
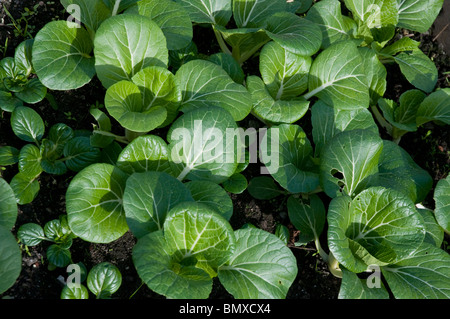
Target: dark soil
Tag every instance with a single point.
(314, 281)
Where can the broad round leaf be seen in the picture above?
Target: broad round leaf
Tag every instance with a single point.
(254, 14)
(337, 77)
(80, 154)
(104, 279)
(236, 184)
(208, 11)
(33, 92)
(147, 199)
(171, 17)
(435, 107)
(442, 199)
(58, 256)
(205, 83)
(262, 267)
(379, 226)
(22, 57)
(286, 151)
(74, 292)
(230, 65)
(418, 15)
(92, 12)
(27, 124)
(425, 274)
(10, 259)
(353, 287)
(307, 216)
(31, 234)
(94, 203)
(213, 195)
(8, 155)
(263, 187)
(8, 205)
(203, 145)
(25, 188)
(294, 34)
(348, 162)
(126, 44)
(143, 154)
(61, 56)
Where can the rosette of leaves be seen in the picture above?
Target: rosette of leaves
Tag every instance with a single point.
(60, 150)
(17, 84)
(57, 232)
(10, 253)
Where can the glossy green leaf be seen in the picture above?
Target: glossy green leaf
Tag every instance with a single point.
(254, 13)
(126, 44)
(285, 74)
(23, 57)
(147, 199)
(418, 15)
(143, 154)
(58, 256)
(353, 287)
(262, 267)
(79, 153)
(27, 124)
(30, 161)
(425, 274)
(92, 12)
(378, 227)
(10, 259)
(308, 216)
(94, 203)
(33, 92)
(442, 199)
(286, 153)
(8, 205)
(337, 77)
(61, 56)
(31, 234)
(349, 161)
(8, 155)
(25, 188)
(208, 11)
(435, 107)
(434, 232)
(263, 187)
(236, 184)
(122, 4)
(74, 292)
(203, 145)
(230, 65)
(293, 33)
(204, 83)
(104, 279)
(375, 72)
(171, 17)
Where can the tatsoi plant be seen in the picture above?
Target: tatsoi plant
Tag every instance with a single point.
(17, 86)
(61, 149)
(103, 280)
(56, 231)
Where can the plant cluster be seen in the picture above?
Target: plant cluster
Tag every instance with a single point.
(328, 58)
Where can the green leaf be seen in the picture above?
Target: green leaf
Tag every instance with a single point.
(230, 65)
(74, 292)
(171, 17)
(354, 288)
(289, 161)
(126, 44)
(147, 199)
(79, 153)
(25, 188)
(335, 27)
(61, 56)
(22, 57)
(8, 205)
(378, 227)
(285, 74)
(263, 187)
(418, 15)
(434, 232)
(435, 107)
(143, 154)
(236, 184)
(8, 155)
(425, 274)
(203, 145)
(59, 256)
(31, 234)
(349, 161)
(295, 34)
(208, 11)
(10, 259)
(271, 110)
(375, 72)
(104, 279)
(328, 121)
(404, 44)
(212, 195)
(338, 78)
(204, 83)
(262, 267)
(254, 13)
(94, 203)
(418, 69)
(442, 198)
(30, 161)
(92, 12)
(8, 102)
(307, 216)
(27, 124)
(60, 134)
(123, 4)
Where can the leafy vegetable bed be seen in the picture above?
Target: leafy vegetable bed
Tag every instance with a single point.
(114, 152)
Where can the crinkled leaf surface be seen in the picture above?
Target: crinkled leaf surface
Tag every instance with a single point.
(94, 203)
(379, 226)
(262, 266)
(61, 56)
(348, 162)
(149, 197)
(126, 44)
